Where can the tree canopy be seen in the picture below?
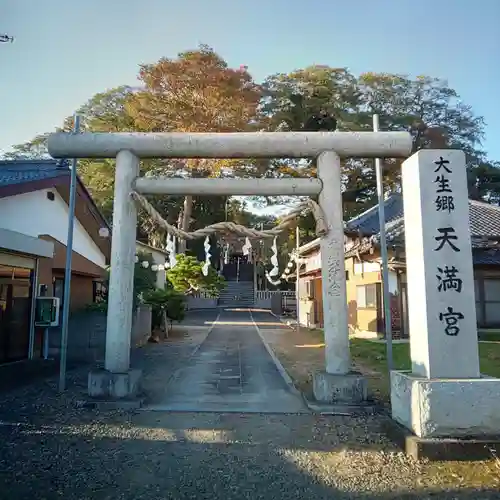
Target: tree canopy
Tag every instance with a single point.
(198, 91)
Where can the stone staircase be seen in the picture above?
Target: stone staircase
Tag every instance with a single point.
(237, 294)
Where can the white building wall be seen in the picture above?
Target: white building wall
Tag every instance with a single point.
(313, 261)
(366, 267)
(158, 258)
(34, 214)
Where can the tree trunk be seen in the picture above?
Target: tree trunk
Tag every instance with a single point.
(185, 221)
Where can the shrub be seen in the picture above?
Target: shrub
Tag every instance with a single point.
(168, 300)
(97, 307)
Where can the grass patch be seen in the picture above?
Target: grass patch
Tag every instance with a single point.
(302, 354)
(489, 335)
(489, 359)
(371, 357)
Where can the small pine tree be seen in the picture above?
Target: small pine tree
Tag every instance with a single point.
(187, 277)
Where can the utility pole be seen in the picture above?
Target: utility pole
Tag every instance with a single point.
(383, 252)
(68, 267)
(297, 277)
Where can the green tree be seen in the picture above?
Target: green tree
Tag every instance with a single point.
(31, 150)
(289, 101)
(484, 182)
(187, 277)
(426, 107)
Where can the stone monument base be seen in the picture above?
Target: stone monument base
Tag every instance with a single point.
(350, 388)
(440, 449)
(116, 386)
(446, 408)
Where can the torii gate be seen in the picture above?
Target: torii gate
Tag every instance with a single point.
(118, 380)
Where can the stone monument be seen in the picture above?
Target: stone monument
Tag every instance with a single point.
(444, 395)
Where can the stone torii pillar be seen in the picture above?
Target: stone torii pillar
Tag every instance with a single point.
(336, 382)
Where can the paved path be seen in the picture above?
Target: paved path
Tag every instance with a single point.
(232, 371)
(51, 447)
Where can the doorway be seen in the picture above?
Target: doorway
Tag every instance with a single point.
(15, 312)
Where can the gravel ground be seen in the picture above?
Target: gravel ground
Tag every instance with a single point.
(51, 448)
(210, 456)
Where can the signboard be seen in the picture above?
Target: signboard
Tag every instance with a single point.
(47, 311)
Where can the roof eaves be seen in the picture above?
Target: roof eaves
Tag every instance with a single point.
(91, 201)
(484, 204)
(361, 216)
(63, 172)
(311, 245)
(46, 161)
(150, 247)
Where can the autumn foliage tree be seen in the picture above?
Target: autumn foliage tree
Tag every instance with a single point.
(196, 92)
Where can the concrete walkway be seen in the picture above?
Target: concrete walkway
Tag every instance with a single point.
(231, 371)
(52, 447)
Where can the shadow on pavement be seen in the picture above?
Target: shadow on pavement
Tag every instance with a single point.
(123, 462)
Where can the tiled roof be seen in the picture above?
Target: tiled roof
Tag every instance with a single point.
(26, 171)
(367, 222)
(15, 175)
(482, 257)
(484, 221)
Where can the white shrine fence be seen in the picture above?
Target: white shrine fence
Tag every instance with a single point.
(263, 299)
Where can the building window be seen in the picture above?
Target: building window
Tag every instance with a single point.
(492, 301)
(310, 289)
(366, 296)
(99, 291)
(479, 301)
(58, 290)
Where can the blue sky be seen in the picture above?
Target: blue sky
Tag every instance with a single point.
(65, 51)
